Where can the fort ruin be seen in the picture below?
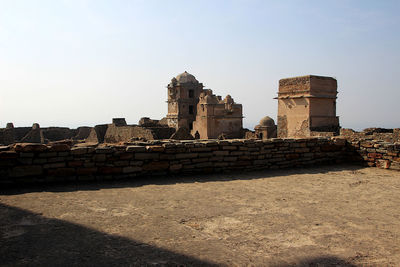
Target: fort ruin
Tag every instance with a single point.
(266, 215)
(308, 128)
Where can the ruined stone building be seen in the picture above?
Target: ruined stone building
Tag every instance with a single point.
(206, 115)
(36, 134)
(307, 106)
(183, 95)
(266, 128)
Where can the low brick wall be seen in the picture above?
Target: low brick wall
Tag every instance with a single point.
(374, 153)
(38, 162)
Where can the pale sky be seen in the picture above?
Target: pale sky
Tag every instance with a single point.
(75, 63)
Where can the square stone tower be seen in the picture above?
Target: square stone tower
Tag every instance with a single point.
(183, 95)
(307, 107)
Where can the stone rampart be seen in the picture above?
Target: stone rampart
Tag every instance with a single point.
(60, 162)
(374, 152)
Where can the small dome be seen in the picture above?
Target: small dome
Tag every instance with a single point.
(186, 78)
(267, 121)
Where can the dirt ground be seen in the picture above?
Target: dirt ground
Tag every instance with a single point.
(325, 216)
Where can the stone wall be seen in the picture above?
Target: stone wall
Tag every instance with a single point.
(374, 153)
(41, 135)
(60, 162)
(378, 134)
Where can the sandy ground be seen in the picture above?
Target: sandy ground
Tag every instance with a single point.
(325, 216)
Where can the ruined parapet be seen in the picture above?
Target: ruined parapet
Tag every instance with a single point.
(82, 133)
(182, 133)
(307, 106)
(147, 122)
(377, 134)
(116, 134)
(119, 121)
(57, 133)
(35, 135)
(97, 134)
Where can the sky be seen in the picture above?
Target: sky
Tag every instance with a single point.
(83, 62)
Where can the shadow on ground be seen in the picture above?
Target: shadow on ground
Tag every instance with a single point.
(29, 239)
(170, 179)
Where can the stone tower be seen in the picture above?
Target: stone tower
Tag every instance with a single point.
(183, 95)
(307, 106)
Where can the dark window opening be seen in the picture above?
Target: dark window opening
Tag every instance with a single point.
(191, 109)
(191, 126)
(191, 94)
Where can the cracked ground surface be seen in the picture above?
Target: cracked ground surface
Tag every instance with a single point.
(331, 216)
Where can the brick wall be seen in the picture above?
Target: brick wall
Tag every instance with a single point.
(374, 153)
(60, 162)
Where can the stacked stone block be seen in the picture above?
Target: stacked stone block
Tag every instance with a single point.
(375, 153)
(60, 162)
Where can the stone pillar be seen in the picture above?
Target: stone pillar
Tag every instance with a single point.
(307, 106)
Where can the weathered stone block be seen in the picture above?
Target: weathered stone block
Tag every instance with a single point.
(28, 170)
(125, 156)
(64, 154)
(26, 154)
(155, 148)
(39, 161)
(217, 158)
(8, 155)
(229, 147)
(136, 149)
(28, 147)
(79, 150)
(186, 155)
(61, 172)
(99, 157)
(221, 164)
(230, 158)
(302, 150)
(327, 148)
(47, 154)
(292, 156)
(54, 165)
(136, 163)
(375, 155)
(131, 169)
(121, 163)
(200, 149)
(383, 164)
(203, 164)
(167, 156)
(55, 159)
(221, 153)
(59, 147)
(25, 161)
(395, 166)
(156, 165)
(144, 156)
(104, 150)
(110, 170)
(175, 167)
(205, 155)
(198, 160)
(75, 163)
